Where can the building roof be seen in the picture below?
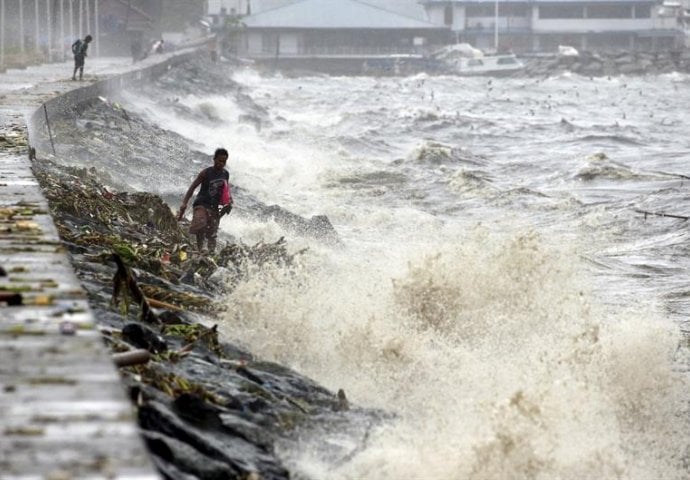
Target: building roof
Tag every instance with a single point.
(542, 2)
(259, 6)
(408, 8)
(337, 14)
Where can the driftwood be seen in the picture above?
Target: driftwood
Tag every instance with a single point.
(158, 304)
(670, 174)
(124, 285)
(662, 214)
(133, 357)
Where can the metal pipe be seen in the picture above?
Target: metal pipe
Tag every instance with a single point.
(129, 5)
(98, 30)
(81, 18)
(496, 25)
(50, 31)
(62, 30)
(88, 17)
(21, 28)
(50, 133)
(2, 32)
(71, 20)
(38, 28)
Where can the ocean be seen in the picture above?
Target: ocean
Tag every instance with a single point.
(496, 287)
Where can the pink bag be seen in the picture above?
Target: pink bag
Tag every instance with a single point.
(225, 196)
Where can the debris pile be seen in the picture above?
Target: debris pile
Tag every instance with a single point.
(207, 408)
(139, 227)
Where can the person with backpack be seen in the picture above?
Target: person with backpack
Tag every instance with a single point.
(79, 49)
(214, 193)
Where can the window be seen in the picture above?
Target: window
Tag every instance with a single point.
(609, 11)
(448, 15)
(513, 10)
(643, 11)
(506, 61)
(561, 11)
(481, 10)
(504, 10)
(269, 43)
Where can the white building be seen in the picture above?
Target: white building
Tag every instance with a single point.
(310, 28)
(409, 8)
(542, 25)
(226, 7)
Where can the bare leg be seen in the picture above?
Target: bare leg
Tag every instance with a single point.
(212, 230)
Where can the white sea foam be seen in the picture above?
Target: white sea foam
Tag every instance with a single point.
(492, 352)
(505, 351)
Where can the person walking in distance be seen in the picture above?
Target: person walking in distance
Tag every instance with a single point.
(79, 49)
(212, 202)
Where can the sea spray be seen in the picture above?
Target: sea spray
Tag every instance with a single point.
(499, 351)
(497, 359)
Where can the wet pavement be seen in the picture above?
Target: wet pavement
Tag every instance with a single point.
(64, 411)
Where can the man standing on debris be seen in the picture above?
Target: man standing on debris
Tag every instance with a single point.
(79, 49)
(214, 192)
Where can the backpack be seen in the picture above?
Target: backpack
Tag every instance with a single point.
(76, 46)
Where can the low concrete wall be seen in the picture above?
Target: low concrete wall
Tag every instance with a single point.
(69, 102)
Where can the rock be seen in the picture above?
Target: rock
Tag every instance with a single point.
(196, 411)
(235, 453)
(142, 337)
(593, 68)
(629, 68)
(610, 64)
(317, 227)
(624, 59)
(174, 456)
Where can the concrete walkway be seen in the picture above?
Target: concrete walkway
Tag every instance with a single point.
(15, 79)
(64, 414)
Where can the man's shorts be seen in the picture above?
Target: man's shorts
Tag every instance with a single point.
(200, 219)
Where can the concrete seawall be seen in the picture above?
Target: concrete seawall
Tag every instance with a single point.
(66, 102)
(64, 411)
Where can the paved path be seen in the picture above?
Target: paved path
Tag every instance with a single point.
(15, 79)
(63, 411)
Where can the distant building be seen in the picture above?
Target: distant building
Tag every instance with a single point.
(221, 8)
(216, 9)
(542, 25)
(336, 28)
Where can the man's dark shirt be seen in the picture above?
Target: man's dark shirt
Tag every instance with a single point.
(80, 50)
(211, 187)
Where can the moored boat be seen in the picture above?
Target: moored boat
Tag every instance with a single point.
(463, 59)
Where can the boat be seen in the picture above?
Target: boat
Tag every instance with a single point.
(394, 64)
(494, 65)
(463, 59)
